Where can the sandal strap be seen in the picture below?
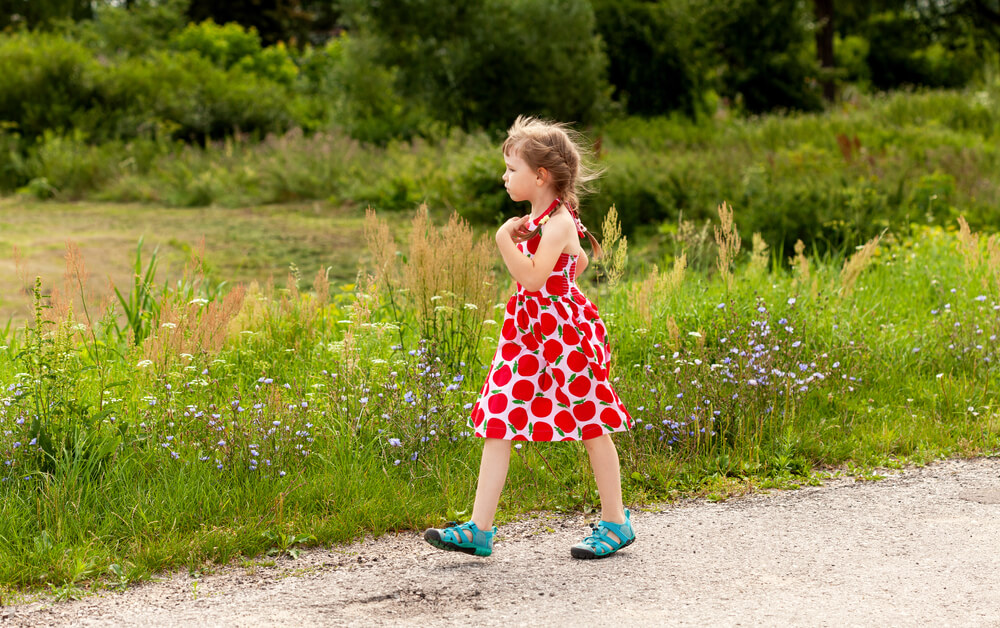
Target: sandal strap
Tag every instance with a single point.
(601, 543)
(454, 533)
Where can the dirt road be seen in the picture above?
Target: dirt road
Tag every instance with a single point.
(921, 547)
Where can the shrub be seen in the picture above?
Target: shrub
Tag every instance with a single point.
(46, 83)
(232, 45)
(187, 92)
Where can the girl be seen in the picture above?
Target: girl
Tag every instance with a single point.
(549, 377)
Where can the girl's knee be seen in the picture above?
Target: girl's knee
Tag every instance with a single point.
(598, 443)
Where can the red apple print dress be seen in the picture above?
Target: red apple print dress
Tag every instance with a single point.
(549, 377)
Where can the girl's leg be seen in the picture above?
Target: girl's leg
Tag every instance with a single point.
(492, 475)
(607, 474)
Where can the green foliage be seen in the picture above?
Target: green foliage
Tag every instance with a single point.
(142, 305)
(146, 25)
(47, 83)
(310, 425)
(904, 50)
(72, 165)
(38, 14)
(456, 60)
(190, 96)
(232, 45)
(766, 61)
(851, 54)
(656, 55)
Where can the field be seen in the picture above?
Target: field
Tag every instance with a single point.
(193, 421)
(239, 244)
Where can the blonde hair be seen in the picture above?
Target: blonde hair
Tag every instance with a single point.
(557, 148)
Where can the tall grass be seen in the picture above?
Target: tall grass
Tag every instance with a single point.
(261, 417)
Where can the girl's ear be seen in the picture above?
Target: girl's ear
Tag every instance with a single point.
(542, 177)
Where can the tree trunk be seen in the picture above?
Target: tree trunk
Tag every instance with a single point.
(823, 10)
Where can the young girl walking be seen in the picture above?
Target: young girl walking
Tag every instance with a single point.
(549, 377)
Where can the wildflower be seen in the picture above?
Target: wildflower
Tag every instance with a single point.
(720, 306)
(395, 442)
(791, 301)
(144, 363)
(981, 298)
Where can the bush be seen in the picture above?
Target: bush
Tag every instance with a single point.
(46, 83)
(71, 165)
(190, 95)
(232, 45)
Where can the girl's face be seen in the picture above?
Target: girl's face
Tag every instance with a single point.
(521, 181)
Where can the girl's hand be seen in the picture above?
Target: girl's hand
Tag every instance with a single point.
(513, 226)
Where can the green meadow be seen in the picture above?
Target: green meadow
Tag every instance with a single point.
(247, 391)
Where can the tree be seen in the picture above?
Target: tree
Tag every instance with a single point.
(762, 47)
(291, 21)
(483, 62)
(823, 10)
(42, 13)
(655, 57)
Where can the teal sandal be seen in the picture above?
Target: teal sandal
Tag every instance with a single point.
(453, 538)
(599, 544)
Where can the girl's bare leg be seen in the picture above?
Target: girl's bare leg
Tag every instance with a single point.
(492, 475)
(607, 474)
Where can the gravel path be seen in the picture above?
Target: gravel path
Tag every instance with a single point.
(921, 547)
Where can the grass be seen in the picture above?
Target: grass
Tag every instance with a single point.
(246, 244)
(260, 418)
(324, 416)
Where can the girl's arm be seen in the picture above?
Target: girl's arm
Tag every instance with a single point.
(532, 272)
(581, 263)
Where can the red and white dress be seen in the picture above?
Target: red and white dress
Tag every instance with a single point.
(549, 377)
